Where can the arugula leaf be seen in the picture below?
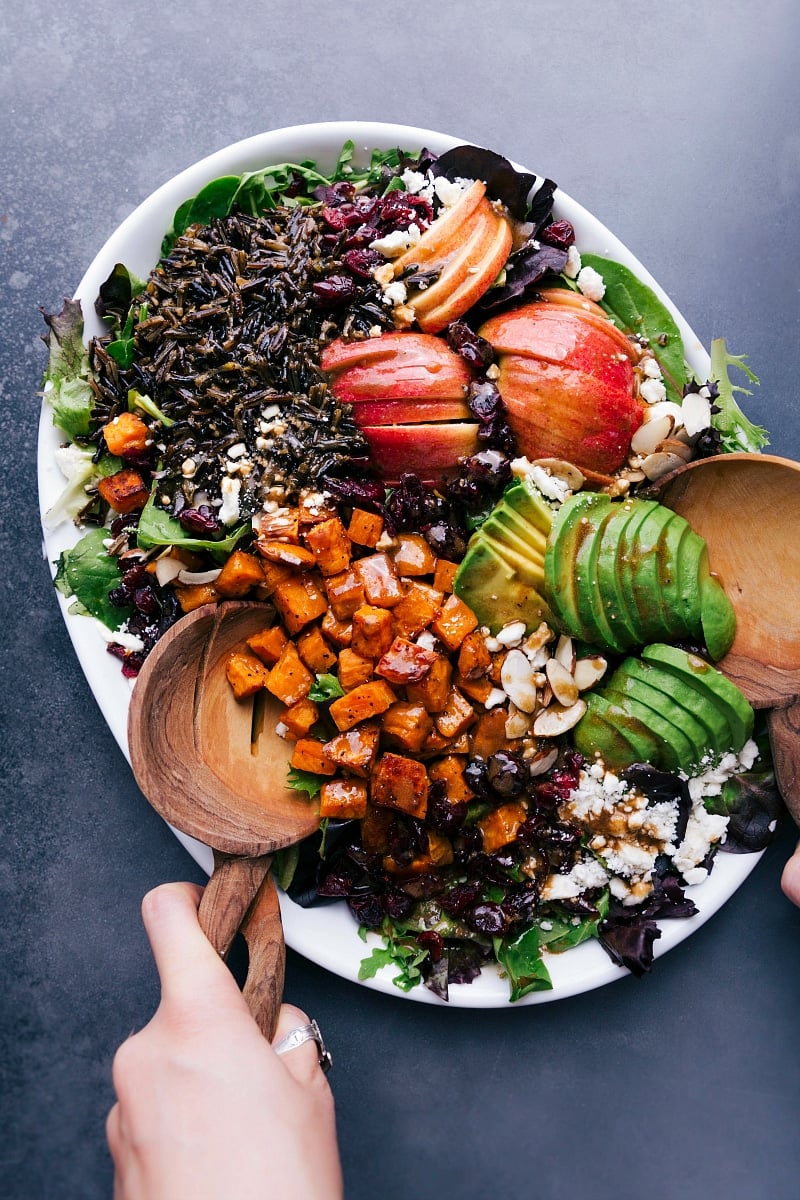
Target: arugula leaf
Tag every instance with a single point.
(157, 528)
(88, 572)
(738, 433)
(67, 378)
(521, 958)
(327, 687)
(123, 348)
(635, 308)
(137, 400)
(305, 781)
(406, 955)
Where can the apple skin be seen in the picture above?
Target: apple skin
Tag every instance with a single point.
(408, 411)
(567, 380)
(396, 366)
(428, 450)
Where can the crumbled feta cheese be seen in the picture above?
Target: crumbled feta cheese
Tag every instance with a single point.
(413, 181)
(703, 830)
(398, 241)
(590, 283)
(119, 637)
(572, 267)
(586, 874)
(449, 191)
(229, 509)
(495, 698)
(651, 368)
(237, 451)
(395, 293)
(652, 391)
(511, 634)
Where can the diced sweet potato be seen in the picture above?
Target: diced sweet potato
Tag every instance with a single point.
(406, 726)
(439, 854)
(343, 798)
(412, 555)
(375, 828)
(405, 662)
(450, 768)
(274, 574)
(330, 546)
(456, 716)
(372, 631)
(195, 595)
(432, 691)
(474, 660)
(267, 644)
(454, 622)
(246, 674)
(402, 783)
(309, 755)
(285, 553)
(355, 750)
(300, 718)
(444, 575)
(240, 574)
(125, 491)
(315, 651)
(299, 601)
(314, 507)
(354, 669)
(345, 593)
(290, 680)
(381, 581)
(489, 734)
(339, 633)
(474, 689)
(420, 605)
(365, 528)
(363, 703)
(500, 826)
(126, 434)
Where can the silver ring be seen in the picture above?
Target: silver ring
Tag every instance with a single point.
(306, 1033)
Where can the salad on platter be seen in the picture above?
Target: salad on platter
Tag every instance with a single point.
(400, 406)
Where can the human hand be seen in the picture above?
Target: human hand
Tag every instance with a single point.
(205, 1107)
(790, 880)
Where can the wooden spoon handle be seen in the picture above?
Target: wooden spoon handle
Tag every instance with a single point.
(784, 736)
(229, 893)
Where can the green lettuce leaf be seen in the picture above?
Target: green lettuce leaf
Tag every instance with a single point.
(67, 387)
(81, 472)
(326, 687)
(158, 528)
(738, 432)
(521, 959)
(88, 573)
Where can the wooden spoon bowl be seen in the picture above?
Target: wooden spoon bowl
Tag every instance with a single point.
(214, 767)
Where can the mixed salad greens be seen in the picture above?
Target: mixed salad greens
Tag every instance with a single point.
(382, 401)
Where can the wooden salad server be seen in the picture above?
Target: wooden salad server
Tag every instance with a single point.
(747, 507)
(216, 770)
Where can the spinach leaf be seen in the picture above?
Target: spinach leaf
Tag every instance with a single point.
(304, 781)
(123, 348)
(88, 573)
(521, 958)
(635, 308)
(738, 433)
(558, 933)
(326, 687)
(158, 528)
(67, 378)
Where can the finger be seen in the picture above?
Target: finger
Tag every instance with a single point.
(189, 967)
(303, 1061)
(790, 880)
(114, 1131)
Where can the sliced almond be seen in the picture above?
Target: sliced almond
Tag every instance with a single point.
(696, 413)
(517, 723)
(557, 719)
(560, 679)
(540, 637)
(197, 578)
(588, 672)
(651, 433)
(562, 469)
(540, 761)
(675, 445)
(517, 678)
(168, 568)
(511, 634)
(565, 652)
(657, 465)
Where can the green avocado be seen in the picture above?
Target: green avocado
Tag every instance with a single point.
(695, 709)
(495, 590)
(611, 731)
(574, 521)
(610, 579)
(673, 538)
(589, 593)
(506, 529)
(525, 499)
(644, 572)
(666, 718)
(717, 617)
(708, 683)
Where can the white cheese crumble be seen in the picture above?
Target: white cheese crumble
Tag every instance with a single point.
(450, 191)
(229, 509)
(398, 241)
(590, 283)
(586, 874)
(572, 267)
(652, 391)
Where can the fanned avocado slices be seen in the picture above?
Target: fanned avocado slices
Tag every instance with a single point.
(711, 687)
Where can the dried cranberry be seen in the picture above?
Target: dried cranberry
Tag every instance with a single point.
(362, 262)
(367, 910)
(340, 192)
(202, 522)
(487, 917)
(444, 815)
(124, 524)
(335, 290)
(343, 216)
(446, 540)
(484, 400)
(399, 210)
(360, 238)
(132, 660)
(466, 342)
(396, 903)
(560, 234)
(367, 493)
(433, 942)
(460, 898)
(507, 774)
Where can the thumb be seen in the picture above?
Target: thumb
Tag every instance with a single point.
(189, 967)
(790, 880)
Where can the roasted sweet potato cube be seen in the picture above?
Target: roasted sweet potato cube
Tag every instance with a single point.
(240, 574)
(432, 691)
(365, 528)
(400, 782)
(354, 669)
(439, 854)
(356, 749)
(339, 633)
(300, 718)
(474, 660)
(126, 434)
(343, 798)
(290, 680)
(267, 644)
(496, 669)
(375, 829)
(489, 734)
(309, 755)
(125, 491)
(474, 689)
(372, 630)
(345, 593)
(246, 674)
(420, 605)
(315, 651)
(381, 582)
(314, 507)
(500, 826)
(195, 595)
(444, 575)
(330, 545)
(456, 716)
(363, 703)
(299, 601)
(450, 769)
(274, 574)
(406, 726)
(412, 555)
(286, 553)
(405, 662)
(454, 622)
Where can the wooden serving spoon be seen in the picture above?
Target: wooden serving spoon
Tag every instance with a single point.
(747, 508)
(217, 772)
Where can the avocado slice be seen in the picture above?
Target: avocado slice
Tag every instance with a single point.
(692, 553)
(506, 528)
(527, 500)
(609, 576)
(627, 564)
(709, 683)
(610, 730)
(695, 709)
(494, 589)
(674, 537)
(573, 522)
(717, 616)
(589, 593)
(686, 735)
(674, 751)
(643, 565)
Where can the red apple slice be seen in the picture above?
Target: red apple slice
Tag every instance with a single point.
(430, 451)
(482, 270)
(446, 233)
(408, 411)
(396, 366)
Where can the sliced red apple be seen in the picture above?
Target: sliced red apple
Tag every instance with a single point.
(409, 411)
(566, 377)
(458, 296)
(446, 233)
(430, 451)
(396, 366)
